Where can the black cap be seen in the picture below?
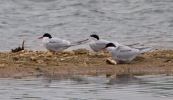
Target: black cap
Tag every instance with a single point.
(95, 36)
(110, 45)
(47, 35)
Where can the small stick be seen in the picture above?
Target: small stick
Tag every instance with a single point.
(23, 45)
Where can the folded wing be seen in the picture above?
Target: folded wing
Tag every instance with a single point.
(56, 44)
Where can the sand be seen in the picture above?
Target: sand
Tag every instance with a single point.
(27, 63)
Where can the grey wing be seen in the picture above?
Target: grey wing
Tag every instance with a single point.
(57, 44)
(102, 43)
(126, 53)
(98, 45)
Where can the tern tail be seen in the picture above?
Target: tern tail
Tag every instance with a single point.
(146, 49)
(131, 45)
(80, 42)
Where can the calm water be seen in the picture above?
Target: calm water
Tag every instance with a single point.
(121, 87)
(149, 22)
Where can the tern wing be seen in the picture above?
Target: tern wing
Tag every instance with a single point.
(99, 45)
(56, 44)
(126, 53)
(102, 43)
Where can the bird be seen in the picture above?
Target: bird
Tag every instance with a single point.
(57, 44)
(97, 44)
(125, 54)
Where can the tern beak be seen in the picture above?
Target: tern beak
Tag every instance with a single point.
(40, 37)
(104, 48)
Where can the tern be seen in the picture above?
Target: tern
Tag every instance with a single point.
(123, 54)
(57, 44)
(97, 44)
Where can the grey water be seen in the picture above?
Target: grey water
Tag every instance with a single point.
(149, 22)
(119, 87)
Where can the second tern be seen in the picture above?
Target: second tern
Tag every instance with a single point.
(97, 44)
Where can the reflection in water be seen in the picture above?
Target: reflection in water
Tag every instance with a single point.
(78, 79)
(117, 87)
(143, 84)
(122, 79)
(114, 79)
(46, 82)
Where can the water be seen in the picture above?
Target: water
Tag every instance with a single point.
(121, 87)
(149, 22)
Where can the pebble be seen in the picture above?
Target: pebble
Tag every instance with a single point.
(110, 61)
(81, 51)
(40, 61)
(22, 51)
(2, 65)
(32, 58)
(15, 58)
(62, 59)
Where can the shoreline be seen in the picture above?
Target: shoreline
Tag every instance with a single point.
(27, 63)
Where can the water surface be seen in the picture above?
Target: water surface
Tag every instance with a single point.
(149, 22)
(118, 87)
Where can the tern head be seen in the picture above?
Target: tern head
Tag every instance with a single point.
(110, 45)
(95, 36)
(46, 35)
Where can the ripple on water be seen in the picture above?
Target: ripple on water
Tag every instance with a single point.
(117, 87)
(111, 20)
